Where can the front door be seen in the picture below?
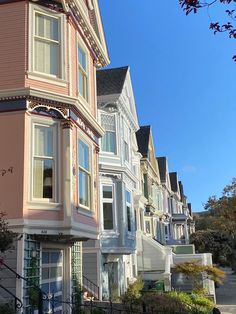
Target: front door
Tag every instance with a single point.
(52, 277)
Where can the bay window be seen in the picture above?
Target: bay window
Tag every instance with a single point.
(108, 207)
(47, 44)
(84, 174)
(82, 73)
(108, 122)
(44, 158)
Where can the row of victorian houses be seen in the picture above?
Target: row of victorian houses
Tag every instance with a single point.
(80, 180)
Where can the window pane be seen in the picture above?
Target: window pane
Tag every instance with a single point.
(107, 216)
(127, 196)
(84, 188)
(107, 191)
(83, 155)
(43, 141)
(46, 27)
(82, 58)
(43, 178)
(128, 218)
(109, 142)
(126, 151)
(47, 57)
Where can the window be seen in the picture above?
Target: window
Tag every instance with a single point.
(84, 174)
(128, 209)
(148, 227)
(82, 73)
(109, 139)
(126, 143)
(44, 162)
(47, 40)
(107, 205)
(52, 279)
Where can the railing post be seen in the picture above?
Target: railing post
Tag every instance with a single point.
(91, 306)
(40, 302)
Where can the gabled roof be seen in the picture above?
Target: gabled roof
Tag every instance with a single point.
(173, 181)
(162, 168)
(143, 135)
(111, 81)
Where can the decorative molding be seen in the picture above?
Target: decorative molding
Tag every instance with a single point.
(109, 175)
(67, 124)
(89, 33)
(48, 108)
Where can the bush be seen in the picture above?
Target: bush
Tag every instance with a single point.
(198, 302)
(6, 309)
(133, 292)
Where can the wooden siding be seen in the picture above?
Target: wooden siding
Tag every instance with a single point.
(13, 44)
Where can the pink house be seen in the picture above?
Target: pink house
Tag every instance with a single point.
(49, 133)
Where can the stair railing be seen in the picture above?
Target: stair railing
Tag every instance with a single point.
(17, 302)
(91, 287)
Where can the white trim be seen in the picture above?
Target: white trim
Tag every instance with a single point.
(45, 78)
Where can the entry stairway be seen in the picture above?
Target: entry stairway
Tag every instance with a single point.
(156, 261)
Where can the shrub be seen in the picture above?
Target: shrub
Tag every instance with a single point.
(198, 302)
(133, 292)
(6, 309)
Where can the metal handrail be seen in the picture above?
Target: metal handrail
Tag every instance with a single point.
(42, 294)
(18, 302)
(91, 286)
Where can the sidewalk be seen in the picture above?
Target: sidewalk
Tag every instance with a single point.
(226, 293)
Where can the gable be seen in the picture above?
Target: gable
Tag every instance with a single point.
(87, 14)
(128, 95)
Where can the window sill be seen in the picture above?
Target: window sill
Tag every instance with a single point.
(109, 234)
(85, 211)
(47, 79)
(37, 205)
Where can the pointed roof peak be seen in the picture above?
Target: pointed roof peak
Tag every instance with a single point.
(111, 81)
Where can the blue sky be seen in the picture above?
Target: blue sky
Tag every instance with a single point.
(184, 85)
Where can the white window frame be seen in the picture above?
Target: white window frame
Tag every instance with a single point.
(90, 184)
(112, 201)
(41, 76)
(85, 100)
(116, 144)
(47, 122)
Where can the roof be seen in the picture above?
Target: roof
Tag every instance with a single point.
(111, 81)
(173, 181)
(142, 136)
(162, 168)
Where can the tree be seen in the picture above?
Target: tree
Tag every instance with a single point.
(6, 236)
(217, 243)
(228, 27)
(223, 210)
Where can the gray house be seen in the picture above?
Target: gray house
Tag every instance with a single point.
(110, 261)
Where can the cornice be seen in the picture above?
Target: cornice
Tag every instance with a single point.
(57, 100)
(77, 11)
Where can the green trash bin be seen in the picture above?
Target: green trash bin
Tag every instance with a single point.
(159, 285)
